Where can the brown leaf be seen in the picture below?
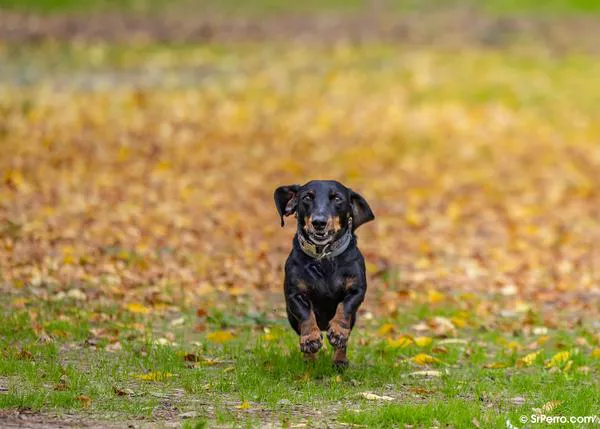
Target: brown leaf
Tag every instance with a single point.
(84, 400)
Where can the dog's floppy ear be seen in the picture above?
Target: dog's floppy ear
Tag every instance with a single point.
(286, 200)
(361, 212)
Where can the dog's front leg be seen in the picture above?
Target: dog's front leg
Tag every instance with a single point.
(343, 321)
(311, 339)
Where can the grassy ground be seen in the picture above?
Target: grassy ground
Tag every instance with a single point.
(108, 364)
(141, 255)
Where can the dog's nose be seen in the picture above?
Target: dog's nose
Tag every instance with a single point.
(319, 222)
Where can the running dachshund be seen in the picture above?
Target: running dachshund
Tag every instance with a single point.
(325, 279)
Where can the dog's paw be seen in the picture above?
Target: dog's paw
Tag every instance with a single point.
(311, 343)
(341, 365)
(338, 336)
(340, 361)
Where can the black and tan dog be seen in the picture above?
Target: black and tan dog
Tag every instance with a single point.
(325, 279)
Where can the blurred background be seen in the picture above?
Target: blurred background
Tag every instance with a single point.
(141, 142)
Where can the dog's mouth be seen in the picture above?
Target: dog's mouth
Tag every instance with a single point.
(321, 237)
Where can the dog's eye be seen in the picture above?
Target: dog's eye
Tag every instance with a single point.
(337, 199)
(307, 198)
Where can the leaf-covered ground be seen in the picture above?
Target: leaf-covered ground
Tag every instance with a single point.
(141, 254)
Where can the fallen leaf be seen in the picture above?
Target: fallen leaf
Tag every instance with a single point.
(430, 373)
(453, 341)
(269, 336)
(400, 342)
(439, 350)
(442, 326)
(373, 397)
(154, 376)
(177, 322)
(421, 391)
(25, 355)
(423, 341)
(122, 392)
(84, 400)
(495, 365)
(77, 295)
(558, 359)
(220, 337)
(138, 308)
(434, 296)
(162, 342)
(243, 406)
(549, 406)
(385, 329)
(424, 359)
(528, 360)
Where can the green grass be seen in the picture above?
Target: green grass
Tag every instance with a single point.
(256, 378)
(261, 7)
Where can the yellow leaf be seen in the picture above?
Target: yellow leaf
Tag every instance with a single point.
(385, 329)
(136, 307)
(237, 291)
(243, 406)
(433, 296)
(269, 337)
(459, 322)
(413, 218)
(549, 406)
(154, 376)
(495, 365)
(220, 337)
(513, 345)
(558, 359)
(528, 360)
(424, 359)
(543, 339)
(423, 341)
(596, 353)
(19, 302)
(400, 342)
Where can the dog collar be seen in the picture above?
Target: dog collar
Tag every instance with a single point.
(329, 250)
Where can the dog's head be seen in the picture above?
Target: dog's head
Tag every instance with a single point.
(326, 209)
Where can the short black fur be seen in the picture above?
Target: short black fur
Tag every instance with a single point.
(323, 292)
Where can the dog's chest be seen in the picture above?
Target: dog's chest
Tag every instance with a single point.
(323, 281)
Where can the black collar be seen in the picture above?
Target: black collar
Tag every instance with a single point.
(329, 250)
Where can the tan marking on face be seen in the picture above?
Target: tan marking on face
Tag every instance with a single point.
(349, 283)
(307, 223)
(335, 223)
